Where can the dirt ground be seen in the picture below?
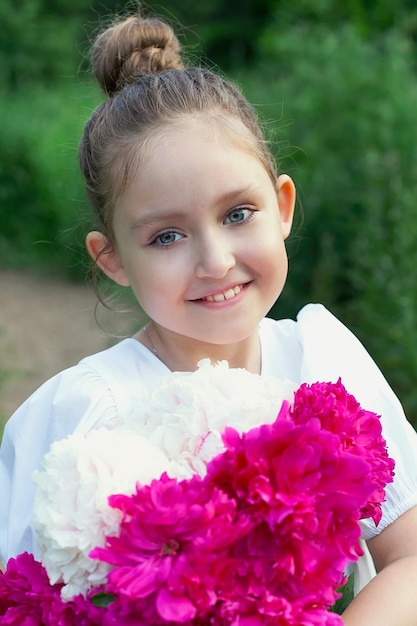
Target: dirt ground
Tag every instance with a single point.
(46, 326)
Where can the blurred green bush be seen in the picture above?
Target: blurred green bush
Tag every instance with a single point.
(343, 110)
(42, 206)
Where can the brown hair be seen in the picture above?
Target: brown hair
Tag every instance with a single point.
(137, 63)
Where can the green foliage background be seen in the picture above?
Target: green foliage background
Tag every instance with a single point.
(336, 84)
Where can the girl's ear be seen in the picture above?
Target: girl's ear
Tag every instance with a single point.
(106, 257)
(286, 194)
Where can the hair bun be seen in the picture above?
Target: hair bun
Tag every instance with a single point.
(130, 49)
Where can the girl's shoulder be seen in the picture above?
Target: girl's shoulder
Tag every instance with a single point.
(318, 346)
(291, 346)
(311, 318)
(100, 387)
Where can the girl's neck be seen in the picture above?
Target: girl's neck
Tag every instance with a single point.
(182, 353)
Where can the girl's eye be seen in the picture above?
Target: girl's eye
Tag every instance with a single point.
(167, 238)
(238, 215)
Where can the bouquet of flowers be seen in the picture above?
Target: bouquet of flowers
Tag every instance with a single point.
(228, 500)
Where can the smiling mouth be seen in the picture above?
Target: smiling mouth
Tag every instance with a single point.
(225, 295)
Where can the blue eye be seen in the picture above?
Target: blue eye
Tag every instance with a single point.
(238, 215)
(167, 238)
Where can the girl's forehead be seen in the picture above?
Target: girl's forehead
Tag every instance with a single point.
(186, 165)
(213, 126)
(181, 145)
(186, 151)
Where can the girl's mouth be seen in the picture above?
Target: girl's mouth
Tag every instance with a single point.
(225, 295)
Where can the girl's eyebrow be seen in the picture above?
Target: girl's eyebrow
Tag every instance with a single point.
(159, 216)
(152, 218)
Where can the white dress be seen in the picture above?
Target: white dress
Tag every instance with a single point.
(316, 347)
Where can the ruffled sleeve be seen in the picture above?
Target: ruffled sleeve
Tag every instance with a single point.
(331, 351)
(101, 390)
(50, 414)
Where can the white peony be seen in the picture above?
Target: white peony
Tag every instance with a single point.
(71, 510)
(188, 412)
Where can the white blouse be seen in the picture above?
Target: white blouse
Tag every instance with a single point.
(104, 386)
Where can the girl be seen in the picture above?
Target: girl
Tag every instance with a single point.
(193, 217)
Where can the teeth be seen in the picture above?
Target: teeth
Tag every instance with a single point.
(227, 295)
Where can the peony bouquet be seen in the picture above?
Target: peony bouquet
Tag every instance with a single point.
(227, 499)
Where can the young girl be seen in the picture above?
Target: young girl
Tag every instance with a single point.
(193, 217)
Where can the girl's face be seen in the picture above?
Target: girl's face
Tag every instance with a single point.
(200, 237)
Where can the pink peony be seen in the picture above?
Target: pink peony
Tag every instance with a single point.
(28, 599)
(359, 431)
(299, 489)
(173, 546)
(273, 612)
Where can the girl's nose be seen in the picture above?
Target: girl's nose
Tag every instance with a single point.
(214, 257)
